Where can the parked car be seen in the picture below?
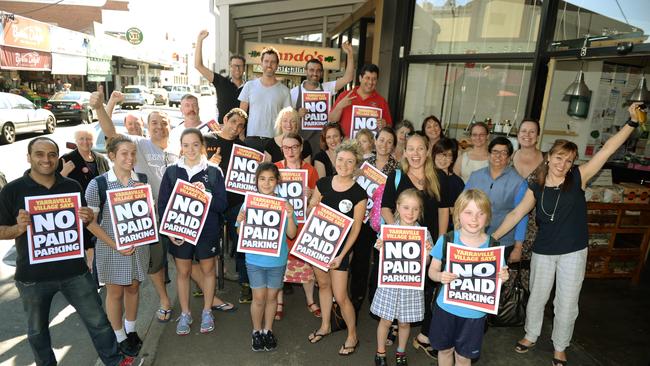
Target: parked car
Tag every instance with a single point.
(71, 105)
(137, 96)
(207, 90)
(18, 115)
(161, 96)
(177, 92)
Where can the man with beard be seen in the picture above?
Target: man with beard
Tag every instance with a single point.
(262, 99)
(314, 70)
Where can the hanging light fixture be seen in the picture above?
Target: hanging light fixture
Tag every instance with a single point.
(641, 93)
(579, 97)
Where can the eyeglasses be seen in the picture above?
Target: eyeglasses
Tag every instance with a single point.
(294, 147)
(499, 153)
(237, 66)
(447, 156)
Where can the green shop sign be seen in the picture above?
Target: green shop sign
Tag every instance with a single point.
(134, 35)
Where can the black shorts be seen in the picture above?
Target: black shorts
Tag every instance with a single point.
(203, 250)
(450, 331)
(345, 262)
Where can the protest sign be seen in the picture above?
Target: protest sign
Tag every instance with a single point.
(364, 117)
(370, 178)
(321, 237)
(402, 259)
(478, 285)
(132, 216)
(55, 232)
(240, 177)
(263, 230)
(293, 186)
(317, 105)
(186, 212)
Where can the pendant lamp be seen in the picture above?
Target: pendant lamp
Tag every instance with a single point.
(579, 97)
(641, 93)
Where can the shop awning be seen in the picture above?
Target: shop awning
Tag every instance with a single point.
(98, 66)
(68, 64)
(22, 59)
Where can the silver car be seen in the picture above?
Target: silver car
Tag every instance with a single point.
(18, 115)
(137, 96)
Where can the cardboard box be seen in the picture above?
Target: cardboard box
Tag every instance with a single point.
(635, 193)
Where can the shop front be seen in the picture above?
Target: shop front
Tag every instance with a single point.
(69, 62)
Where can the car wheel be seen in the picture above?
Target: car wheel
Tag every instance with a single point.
(8, 135)
(89, 117)
(50, 125)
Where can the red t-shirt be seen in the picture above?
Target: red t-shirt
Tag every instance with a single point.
(374, 100)
(312, 177)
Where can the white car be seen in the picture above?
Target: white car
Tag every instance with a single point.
(176, 92)
(207, 90)
(137, 96)
(18, 115)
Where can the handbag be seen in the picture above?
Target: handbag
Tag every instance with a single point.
(512, 306)
(336, 320)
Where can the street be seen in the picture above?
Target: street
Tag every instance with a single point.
(70, 340)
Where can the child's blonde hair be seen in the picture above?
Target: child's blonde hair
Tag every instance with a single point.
(410, 193)
(369, 135)
(482, 202)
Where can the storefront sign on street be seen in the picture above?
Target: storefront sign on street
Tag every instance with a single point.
(292, 55)
(27, 33)
(22, 59)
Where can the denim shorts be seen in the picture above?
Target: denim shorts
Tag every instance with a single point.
(265, 277)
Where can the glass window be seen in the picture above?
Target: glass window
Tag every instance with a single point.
(458, 93)
(475, 26)
(606, 22)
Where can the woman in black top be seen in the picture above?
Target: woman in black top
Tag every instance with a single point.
(286, 122)
(418, 171)
(330, 138)
(445, 153)
(341, 193)
(560, 248)
(82, 164)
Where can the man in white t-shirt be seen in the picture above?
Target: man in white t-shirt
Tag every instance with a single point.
(262, 99)
(153, 157)
(314, 70)
(191, 118)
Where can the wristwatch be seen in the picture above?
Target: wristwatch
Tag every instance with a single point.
(632, 123)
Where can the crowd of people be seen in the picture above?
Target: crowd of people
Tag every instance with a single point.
(470, 197)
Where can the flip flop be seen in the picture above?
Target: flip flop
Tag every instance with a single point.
(522, 348)
(164, 315)
(312, 336)
(348, 350)
(225, 307)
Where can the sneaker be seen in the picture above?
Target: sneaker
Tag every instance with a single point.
(207, 321)
(270, 342)
(257, 342)
(245, 294)
(126, 348)
(184, 322)
(135, 340)
(132, 361)
(400, 359)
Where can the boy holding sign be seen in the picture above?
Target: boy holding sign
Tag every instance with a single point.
(457, 332)
(265, 272)
(404, 305)
(184, 216)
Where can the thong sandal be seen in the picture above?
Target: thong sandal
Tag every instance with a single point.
(317, 312)
(225, 307)
(558, 362)
(316, 337)
(164, 315)
(425, 347)
(348, 350)
(522, 348)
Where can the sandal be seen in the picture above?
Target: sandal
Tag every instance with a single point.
(425, 347)
(392, 336)
(522, 348)
(313, 336)
(225, 307)
(317, 312)
(348, 350)
(558, 362)
(197, 293)
(279, 313)
(164, 315)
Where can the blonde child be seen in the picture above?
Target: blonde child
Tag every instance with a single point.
(366, 140)
(457, 332)
(265, 273)
(405, 305)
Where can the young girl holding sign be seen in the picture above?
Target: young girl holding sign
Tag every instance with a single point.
(266, 273)
(457, 332)
(193, 167)
(405, 305)
(121, 270)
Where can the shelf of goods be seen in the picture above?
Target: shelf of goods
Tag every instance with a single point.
(618, 239)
